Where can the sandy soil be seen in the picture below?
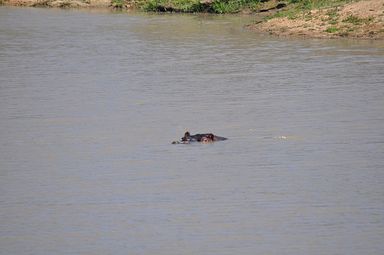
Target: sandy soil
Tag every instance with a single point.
(364, 19)
(59, 3)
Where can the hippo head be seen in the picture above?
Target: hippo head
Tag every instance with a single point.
(207, 138)
(186, 137)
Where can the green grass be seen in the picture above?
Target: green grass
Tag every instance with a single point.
(217, 6)
(233, 6)
(318, 4)
(355, 20)
(226, 6)
(331, 30)
(295, 7)
(290, 14)
(300, 7)
(118, 4)
(333, 16)
(173, 5)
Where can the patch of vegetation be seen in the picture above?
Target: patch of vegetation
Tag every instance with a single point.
(44, 3)
(290, 14)
(172, 6)
(295, 8)
(308, 16)
(233, 6)
(300, 7)
(64, 4)
(355, 20)
(191, 6)
(333, 16)
(318, 4)
(331, 30)
(332, 13)
(117, 4)
(226, 6)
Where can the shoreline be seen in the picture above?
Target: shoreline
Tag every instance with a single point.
(362, 19)
(358, 20)
(63, 4)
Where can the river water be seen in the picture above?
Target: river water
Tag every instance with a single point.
(90, 102)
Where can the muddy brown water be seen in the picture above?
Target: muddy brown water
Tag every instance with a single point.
(90, 102)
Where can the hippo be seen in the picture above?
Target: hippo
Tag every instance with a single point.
(201, 138)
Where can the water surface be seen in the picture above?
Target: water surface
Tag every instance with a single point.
(90, 102)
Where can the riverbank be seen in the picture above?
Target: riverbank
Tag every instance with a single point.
(305, 18)
(59, 3)
(170, 6)
(362, 20)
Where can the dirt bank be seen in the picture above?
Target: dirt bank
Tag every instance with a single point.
(364, 19)
(59, 3)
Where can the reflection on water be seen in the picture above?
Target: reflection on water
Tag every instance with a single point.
(90, 101)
